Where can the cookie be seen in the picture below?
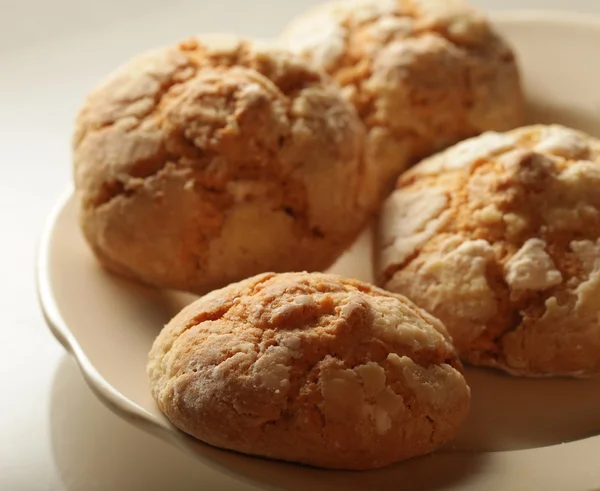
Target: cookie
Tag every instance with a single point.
(216, 159)
(310, 368)
(423, 74)
(499, 237)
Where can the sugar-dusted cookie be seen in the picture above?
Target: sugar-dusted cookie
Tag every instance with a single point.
(423, 74)
(499, 237)
(216, 159)
(310, 368)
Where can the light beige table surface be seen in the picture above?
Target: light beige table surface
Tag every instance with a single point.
(54, 434)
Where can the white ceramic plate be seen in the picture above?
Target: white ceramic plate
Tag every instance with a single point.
(521, 434)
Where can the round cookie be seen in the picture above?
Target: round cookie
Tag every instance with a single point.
(423, 74)
(499, 237)
(310, 368)
(216, 159)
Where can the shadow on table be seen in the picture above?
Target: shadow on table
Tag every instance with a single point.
(95, 450)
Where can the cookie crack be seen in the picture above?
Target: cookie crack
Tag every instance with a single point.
(163, 89)
(388, 273)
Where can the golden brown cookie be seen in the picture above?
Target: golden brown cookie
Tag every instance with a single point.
(499, 237)
(310, 368)
(423, 74)
(212, 160)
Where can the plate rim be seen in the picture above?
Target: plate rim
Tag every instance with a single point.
(131, 412)
(109, 395)
(115, 401)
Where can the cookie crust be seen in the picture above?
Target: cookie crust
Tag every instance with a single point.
(423, 74)
(310, 368)
(216, 159)
(499, 237)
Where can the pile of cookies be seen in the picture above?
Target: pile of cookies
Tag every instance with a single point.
(239, 170)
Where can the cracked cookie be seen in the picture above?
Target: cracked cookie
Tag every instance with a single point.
(310, 368)
(499, 237)
(423, 74)
(216, 159)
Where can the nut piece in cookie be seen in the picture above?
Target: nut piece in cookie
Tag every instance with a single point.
(310, 368)
(423, 74)
(499, 237)
(213, 160)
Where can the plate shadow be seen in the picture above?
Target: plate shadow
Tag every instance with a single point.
(94, 449)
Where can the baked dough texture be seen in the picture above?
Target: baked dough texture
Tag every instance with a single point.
(423, 74)
(216, 159)
(499, 237)
(310, 368)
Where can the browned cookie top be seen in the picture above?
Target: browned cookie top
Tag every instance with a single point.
(499, 237)
(312, 368)
(423, 74)
(216, 159)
